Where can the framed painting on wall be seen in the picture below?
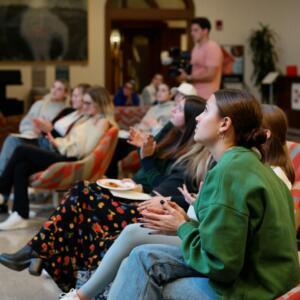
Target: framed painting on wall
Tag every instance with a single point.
(48, 30)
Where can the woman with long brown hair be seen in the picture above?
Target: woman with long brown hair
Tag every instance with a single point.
(276, 152)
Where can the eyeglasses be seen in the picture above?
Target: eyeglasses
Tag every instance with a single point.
(87, 102)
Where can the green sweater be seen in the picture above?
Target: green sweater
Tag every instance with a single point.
(245, 240)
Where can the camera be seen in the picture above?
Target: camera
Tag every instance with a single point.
(176, 59)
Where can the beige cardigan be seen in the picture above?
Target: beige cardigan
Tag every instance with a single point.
(83, 137)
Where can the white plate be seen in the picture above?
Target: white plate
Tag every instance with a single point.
(131, 195)
(116, 184)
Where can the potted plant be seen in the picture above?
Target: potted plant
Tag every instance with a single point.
(264, 55)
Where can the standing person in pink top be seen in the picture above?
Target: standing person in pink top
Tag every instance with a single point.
(206, 60)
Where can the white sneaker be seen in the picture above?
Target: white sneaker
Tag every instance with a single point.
(14, 221)
(72, 295)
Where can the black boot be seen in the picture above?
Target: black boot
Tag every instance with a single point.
(3, 208)
(22, 259)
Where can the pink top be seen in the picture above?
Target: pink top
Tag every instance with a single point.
(208, 54)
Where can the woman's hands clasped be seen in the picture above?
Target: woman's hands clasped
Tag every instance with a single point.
(164, 219)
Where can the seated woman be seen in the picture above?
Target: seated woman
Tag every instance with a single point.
(276, 151)
(148, 96)
(65, 120)
(243, 244)
(126, 96)
(28, 159)
(154, 120)
(47, 109)
(89, 218)
(59, 127)
(158, 115)
(276, 154)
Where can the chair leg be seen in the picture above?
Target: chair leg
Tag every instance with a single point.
(55, 198)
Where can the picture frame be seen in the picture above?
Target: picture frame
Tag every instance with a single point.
(44, 31)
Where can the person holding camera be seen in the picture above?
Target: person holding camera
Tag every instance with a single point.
(206, 60)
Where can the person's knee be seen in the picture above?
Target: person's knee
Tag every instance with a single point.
(11, 140)
(140, 251)
(131, 231)
(146, 254)
(21, 150)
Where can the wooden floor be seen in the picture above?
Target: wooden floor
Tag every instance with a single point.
(21, 285)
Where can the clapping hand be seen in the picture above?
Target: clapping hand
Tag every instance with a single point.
(153, 202)
(137, 137)
(51, 139)
(164, 220)
(42, 125)
(190, 198)
(148, 147)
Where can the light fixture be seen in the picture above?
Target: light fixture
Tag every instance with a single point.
(115, 37)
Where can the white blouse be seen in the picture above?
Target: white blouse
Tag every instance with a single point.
(62, 125)
(82, 138)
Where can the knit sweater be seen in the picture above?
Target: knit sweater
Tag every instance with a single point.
(244, 241)
(82, 138)
(45, 108)
(160, 114)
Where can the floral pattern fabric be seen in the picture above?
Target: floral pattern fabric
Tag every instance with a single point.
(79, 232)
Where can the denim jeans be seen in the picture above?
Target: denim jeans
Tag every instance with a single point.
(154, 271)
(9, 146)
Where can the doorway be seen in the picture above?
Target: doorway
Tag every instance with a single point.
(143, 34)
(140, 49)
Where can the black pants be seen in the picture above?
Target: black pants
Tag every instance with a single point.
(25, 161)
(122, 150)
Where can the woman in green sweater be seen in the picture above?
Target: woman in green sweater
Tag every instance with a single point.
(243, 245)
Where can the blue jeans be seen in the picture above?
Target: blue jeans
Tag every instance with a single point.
(154, 272)
(9, 146)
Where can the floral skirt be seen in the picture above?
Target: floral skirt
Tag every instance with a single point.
(80, 231)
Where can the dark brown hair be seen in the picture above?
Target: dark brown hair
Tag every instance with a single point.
(246, 117)
(202, 22)
(176, 143)
(276, 152)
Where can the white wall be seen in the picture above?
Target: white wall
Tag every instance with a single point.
(92, 72)
(241, 16)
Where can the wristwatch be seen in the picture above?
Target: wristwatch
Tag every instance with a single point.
(189, 78)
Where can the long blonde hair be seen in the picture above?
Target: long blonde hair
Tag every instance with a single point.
(196, 162)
